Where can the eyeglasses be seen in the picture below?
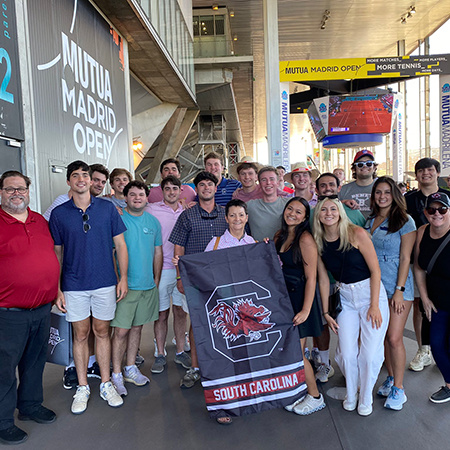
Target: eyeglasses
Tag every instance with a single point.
(20, 190)
(86, 226)
(327, 197)
(368, 164)
(441, 210)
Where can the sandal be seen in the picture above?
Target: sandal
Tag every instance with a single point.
(222, 417)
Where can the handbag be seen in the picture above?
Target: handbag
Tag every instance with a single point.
(334, 303)
(59, 347)
(334, 300)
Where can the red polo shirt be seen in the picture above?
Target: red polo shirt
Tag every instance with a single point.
(29, 269)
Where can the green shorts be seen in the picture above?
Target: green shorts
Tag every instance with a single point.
(137, 308)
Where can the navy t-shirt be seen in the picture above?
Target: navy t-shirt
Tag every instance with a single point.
(87, 256)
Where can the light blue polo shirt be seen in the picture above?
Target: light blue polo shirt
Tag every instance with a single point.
(142, 236)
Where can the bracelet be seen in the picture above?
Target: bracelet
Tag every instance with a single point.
(325, 313)
(178, 278)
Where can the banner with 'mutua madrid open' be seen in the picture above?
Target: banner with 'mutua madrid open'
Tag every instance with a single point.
(248, 350)
(79, 91)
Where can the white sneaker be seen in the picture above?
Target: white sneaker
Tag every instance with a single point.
(324, 372)
(156, 352)
(187, 344)
(108, 392)
(134, 375)
(309, 405)
(421, 359)
(364, 410)
(350, 404)
(80, 400)
(291, 407)
(117, 381)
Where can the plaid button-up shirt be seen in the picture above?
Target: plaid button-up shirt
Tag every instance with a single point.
(196, 227)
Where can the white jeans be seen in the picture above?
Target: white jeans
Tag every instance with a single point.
(360, 350)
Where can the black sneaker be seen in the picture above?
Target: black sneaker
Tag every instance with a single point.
(39, 415)
(70, 378)
(13, 435)
(94, 371)
(441, 396)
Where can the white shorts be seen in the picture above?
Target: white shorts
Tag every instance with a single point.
(168, 289)
(102, 303)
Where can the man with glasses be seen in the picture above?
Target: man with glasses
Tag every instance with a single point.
(427, 172)
(29, 283)
(364, 170)
(85, 229)
(191, 234)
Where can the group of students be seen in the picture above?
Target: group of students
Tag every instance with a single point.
(321, 241)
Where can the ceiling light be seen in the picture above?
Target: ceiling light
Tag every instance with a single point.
(235, 37)
(215, 7)
(137, 145)
(412, 9)
(231, 13)
(403, 20)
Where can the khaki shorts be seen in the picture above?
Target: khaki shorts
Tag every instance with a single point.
(137, 308)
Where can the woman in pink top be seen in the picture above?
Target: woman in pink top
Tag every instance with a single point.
(236, 217)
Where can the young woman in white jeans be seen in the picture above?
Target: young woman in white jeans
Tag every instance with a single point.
(348, 253)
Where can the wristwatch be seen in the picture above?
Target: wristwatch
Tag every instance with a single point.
(400, 288)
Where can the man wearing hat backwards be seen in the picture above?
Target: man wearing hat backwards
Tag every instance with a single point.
(301, 177)
(364, 171)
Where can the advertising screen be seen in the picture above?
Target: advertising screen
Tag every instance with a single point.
(360, 114)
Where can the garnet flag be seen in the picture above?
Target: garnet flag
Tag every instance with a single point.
(248, 349)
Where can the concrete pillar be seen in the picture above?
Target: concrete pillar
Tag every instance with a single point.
(272, 76)
(427, 104)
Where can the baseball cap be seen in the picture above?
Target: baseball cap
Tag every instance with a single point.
(439, 197)
(362, 153)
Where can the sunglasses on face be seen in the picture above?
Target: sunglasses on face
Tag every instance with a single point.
(368, 164)
(441, 210)
(328, 197)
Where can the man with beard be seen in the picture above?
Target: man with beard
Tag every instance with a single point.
(364, 170)
(191, 234)
(29, 283)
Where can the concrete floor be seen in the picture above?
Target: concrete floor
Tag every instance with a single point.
(162, 416)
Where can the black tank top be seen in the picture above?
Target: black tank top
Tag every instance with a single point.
(355, 268)
(438, 281)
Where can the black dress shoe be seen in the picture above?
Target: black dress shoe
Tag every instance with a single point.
(39, 415)
(13, 435)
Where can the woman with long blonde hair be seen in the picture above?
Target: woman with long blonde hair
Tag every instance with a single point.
(348, 253)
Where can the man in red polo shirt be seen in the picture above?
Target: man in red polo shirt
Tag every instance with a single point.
(28, 284)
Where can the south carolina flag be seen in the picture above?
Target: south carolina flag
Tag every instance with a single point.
(248, 349)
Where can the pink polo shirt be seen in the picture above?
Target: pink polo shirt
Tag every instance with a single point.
(167, 218)
(187, 194)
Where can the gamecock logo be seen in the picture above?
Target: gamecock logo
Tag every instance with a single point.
(243, 318)
(239, 321)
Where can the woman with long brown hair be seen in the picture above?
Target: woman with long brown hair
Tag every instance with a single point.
(393, 235)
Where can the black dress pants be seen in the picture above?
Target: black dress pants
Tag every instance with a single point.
(23, 344)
